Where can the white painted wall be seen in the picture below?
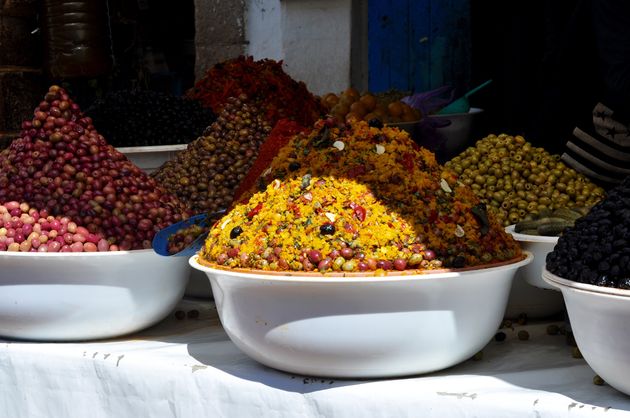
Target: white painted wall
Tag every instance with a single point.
(263, 29)
(312, 37)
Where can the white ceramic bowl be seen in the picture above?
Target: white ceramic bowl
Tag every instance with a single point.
(540, 246)
(457, 134)
(150, 158)
(361, 326)
(530, 294)
(409, 127)
(600, 321)
(198, 285)
(83, 296)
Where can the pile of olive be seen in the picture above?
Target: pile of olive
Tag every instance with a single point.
(597, 249)
(550, 223)
(205, 175)
(514, 178)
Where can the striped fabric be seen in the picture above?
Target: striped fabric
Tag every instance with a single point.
(604, 154)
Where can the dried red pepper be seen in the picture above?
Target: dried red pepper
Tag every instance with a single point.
(356, 171)
(280, 135)
(255, 211)
(407, 162)
(263, 80)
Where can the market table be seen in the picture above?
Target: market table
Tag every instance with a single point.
(188, 367)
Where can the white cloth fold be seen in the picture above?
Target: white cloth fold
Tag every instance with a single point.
(189, 368)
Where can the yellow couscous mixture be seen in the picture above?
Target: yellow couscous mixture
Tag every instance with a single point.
(353, 197)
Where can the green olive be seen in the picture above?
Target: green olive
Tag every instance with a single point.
(531, 197)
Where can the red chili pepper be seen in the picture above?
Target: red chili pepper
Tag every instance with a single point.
(265, 81)
(407, 162)
(356, 171)
(255, 211)
(295, 209)
(446, 219)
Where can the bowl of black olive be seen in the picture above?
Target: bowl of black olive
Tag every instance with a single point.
(590, 264)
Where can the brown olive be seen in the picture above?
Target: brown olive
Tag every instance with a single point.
(206, 174)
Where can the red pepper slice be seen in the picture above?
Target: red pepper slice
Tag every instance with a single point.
(359, 211)
(255, 211)
(356, 171)
(295, 209)
(407, 162)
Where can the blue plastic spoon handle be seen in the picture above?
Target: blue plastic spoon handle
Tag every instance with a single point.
(476, 89)
(160, 240)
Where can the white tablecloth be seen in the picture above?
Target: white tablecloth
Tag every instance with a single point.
(189, 368)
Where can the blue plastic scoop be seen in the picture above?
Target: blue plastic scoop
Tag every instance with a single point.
(160, 240)
(461, 105)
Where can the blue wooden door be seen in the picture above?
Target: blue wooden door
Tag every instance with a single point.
(418, 45)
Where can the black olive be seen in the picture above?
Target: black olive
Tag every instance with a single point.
(603, 266)
(327, 229)
(499, 336)
(141, 118)
(294, 166)
(459, 262)
(479, 211)
(624, 283)
(235, 232)
(375, 123)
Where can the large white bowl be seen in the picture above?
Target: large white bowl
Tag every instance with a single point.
(530, 294)
(600, 321)
(361, 326)
(82, 296)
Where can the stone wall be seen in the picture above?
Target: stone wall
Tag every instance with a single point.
(219, 32)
